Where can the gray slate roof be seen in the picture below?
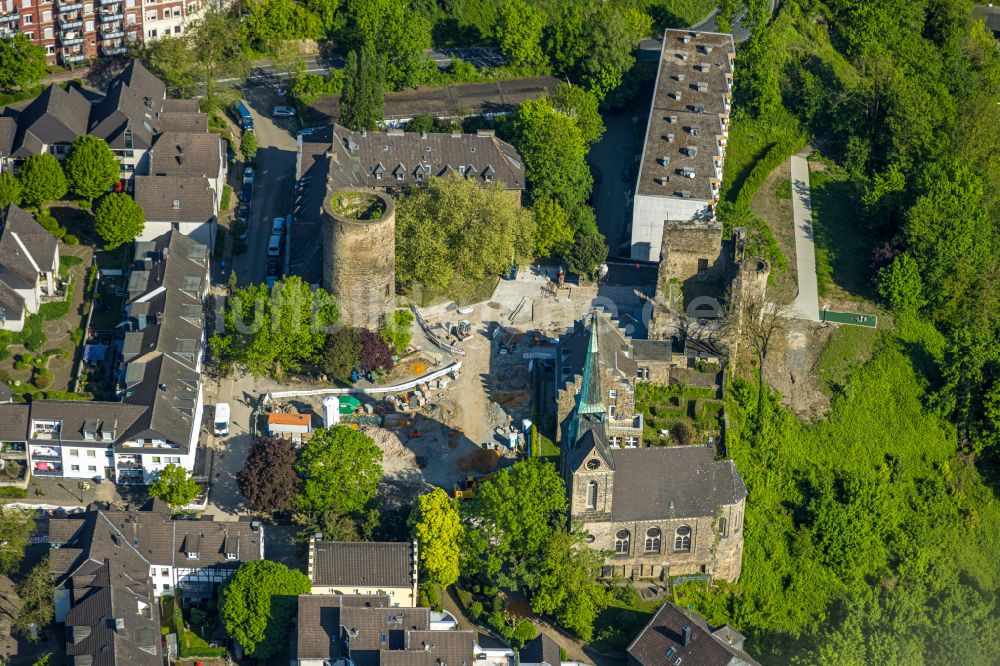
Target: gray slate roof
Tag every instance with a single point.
(186, 154)
(8, 133)
(541, 650)
(113, 619)
(13, 422)
(356, 564)
(379, 635)
(25, 247)
(410, 158)
(55, 116)
(661, 642)
(138, 539)
(175, 199)
(122, 110)
(648, 479)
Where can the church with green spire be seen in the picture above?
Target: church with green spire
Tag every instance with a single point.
(661, 510)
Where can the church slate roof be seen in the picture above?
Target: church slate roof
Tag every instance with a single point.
(667, 482)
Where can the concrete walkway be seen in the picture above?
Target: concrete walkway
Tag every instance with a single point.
(806, 304)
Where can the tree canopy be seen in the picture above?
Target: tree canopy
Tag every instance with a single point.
(118, 219)
(438, 529)
(16, 526)
(37, 592)
(175, 486)
(269, 332)
(42, 180)
(91, 168)
(362, 98)
(10, 190)
(268, 479)
(258, 604)
(340, 469)
(455, 228)
(23, 62)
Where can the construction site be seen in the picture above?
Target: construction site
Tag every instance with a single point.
(467, 385)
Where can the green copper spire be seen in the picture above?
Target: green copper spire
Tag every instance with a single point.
(591, 398)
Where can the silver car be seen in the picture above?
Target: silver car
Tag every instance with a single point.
(283, 111)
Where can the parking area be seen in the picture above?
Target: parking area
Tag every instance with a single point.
(613, 163)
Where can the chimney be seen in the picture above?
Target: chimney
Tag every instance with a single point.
(312, 555)
(416, 567)
(685, 635)
(176, 204)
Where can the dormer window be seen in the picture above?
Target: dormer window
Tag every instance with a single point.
(230, 556)
(90, 428)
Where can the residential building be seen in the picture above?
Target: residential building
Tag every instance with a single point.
(111, 617)
(389, 161)
(190, 154)
(49, 124)
(186, 204)
(189, 558)
(156, 421)
(662, 510)
(129, 116)
(366, 630)
(679, 637)
(73, 33)
(990, 15)
(29, 267)
(169, 18)
(540, 651)
(680, 172)
(365, 568)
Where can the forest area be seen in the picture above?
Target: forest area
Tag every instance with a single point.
(872, 535)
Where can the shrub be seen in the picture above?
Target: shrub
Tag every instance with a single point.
(7, 491)
(475, 611)
(4, 354)
(43, 378)
(227, 194)
(523, 632)
(77, 336)
(70, 239)
(464, 597)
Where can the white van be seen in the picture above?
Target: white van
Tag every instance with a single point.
(274, 246)
(221, 425)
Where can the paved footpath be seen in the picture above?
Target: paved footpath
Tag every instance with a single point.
(806, 304)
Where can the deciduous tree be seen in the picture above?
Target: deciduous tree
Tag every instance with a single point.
(218, 50)
(42, 180)
(397, 32)
(268, 480)
(563, 584)
(10, 190)
(118, 219)
(397, 330)
(37, 600)
(172, 59)
(438, 528)
(581, 105)
(258, 604)
(248, 145)
(175, 486)
(901, 286)
(342, 353)
(375, 353)
(91, 168)
(547, 138)
(587, 253)
(340, 470)
(519, 32)
(454, 227)
(552, 231)
(23, 62)
(16, 526)
(271, 332)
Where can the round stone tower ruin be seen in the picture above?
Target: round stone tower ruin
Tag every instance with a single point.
(359, 254)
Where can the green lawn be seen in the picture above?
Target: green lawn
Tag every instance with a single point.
(678, 13)
(843, 243)
(848, 348)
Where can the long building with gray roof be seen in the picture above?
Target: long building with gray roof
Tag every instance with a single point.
(156, 420)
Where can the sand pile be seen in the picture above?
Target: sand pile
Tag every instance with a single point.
(388, 441)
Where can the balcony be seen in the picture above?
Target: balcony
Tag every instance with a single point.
(115, 50)
(46, 469)
(105, 3)
(64, 7)
(74, 57)
(112, 13)
(7, 18)
(129, 465)
(74, 20)
(45, 453)
(71, 39)
(115, 32)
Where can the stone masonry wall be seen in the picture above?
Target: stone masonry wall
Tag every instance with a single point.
(690, 246)
(359, 264)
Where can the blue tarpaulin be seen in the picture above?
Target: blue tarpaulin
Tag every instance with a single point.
(94, 353)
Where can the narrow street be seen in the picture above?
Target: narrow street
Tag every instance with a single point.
(807, 300)
(275, 174)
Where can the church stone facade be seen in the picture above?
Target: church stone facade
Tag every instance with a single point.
(661, 511)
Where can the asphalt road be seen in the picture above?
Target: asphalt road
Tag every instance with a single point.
(272, 190)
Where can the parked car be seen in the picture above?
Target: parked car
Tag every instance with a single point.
(270, 282)
(274, 245)
(283, 111)
(248, 175)
(221, 423)
(278, 227)
(272, 268)
(246, 193)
